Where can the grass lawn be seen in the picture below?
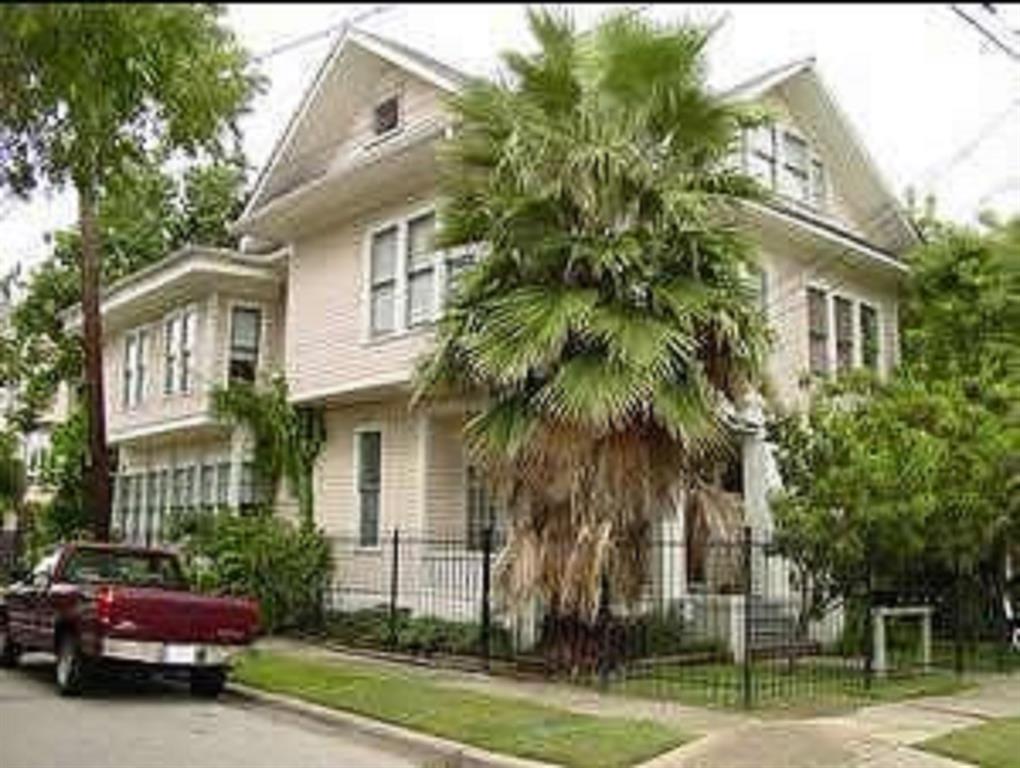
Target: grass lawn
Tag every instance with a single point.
(505, 725)
(989, 745)
(804, 689)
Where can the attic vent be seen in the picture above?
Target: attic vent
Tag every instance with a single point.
(387, 115)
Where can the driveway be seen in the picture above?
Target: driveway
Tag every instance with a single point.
(151, 725)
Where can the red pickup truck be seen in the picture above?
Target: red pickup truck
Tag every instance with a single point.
(98, 605)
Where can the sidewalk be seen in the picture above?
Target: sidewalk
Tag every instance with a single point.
(879, 736)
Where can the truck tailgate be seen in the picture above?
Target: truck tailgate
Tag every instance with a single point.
(145, 613)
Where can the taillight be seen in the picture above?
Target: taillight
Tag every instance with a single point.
(104, 604)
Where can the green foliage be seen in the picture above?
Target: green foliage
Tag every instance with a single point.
(426, 635)
(962, 309)
(286, 568)
(12, 474)
(288, 439)
(613, 318)
(888, 476)
(66, 515)
(91, 88)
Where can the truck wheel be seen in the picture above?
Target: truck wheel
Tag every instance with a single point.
(208, 683)
(9, 650)
(71, 666)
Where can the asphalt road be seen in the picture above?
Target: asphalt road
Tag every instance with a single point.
(124, 724)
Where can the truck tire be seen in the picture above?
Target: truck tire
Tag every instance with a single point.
(72, 667)
(9, 650)
(208, 683)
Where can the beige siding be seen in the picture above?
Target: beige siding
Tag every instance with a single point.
(838, 207)
(446, 498)
(790, 274)
(327, 345)
(209, 363)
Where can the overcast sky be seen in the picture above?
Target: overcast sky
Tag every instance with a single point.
(936, 104)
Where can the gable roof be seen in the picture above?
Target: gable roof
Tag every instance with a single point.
(431, 70)
(886, 219)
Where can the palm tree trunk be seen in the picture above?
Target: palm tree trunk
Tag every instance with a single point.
(98, 481)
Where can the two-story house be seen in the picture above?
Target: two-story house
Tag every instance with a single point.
(172, 332)
(350, 191)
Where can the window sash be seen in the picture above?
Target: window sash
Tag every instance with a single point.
(844, 334)
(869, 336)
(818, 331)
(245, 338)
(369, 487)
(386, 115)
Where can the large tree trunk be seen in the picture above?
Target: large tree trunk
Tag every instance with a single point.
(98, 494)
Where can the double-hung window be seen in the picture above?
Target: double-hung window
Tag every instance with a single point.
(869, 336)
(818, 332)
(369, 447)
(421, 270)
(245, 332)
(133, 391)
(223, 484)
(795, 174)
(787, 163)
(383, 280)
(761, 154)
(179, 331)
(844, 310)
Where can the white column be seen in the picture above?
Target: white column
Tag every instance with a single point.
(879, 662)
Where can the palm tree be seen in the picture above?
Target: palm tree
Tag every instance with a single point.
(612, 325)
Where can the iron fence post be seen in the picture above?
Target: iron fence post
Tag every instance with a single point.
(748, 590)
(957, 619)
(869, 630)
(394, 586)
(486, 635)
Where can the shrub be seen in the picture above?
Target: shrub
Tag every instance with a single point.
(425, 635)
(285, 567)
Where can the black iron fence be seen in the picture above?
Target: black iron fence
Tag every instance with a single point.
(719, 622)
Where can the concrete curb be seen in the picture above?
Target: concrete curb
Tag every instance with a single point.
(449, 754)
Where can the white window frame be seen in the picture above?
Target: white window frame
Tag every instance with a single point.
(779, 162)
(358, 431)
(134, 384)
(439, 264)
(391, 91)
(263, 333)
(180, 318)
(831, 292)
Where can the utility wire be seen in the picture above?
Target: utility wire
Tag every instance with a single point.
(319, 34)
(986, 33)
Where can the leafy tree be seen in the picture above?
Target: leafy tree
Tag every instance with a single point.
(12, 476)
(87, 90)
(962, 309)
(612, 325)
(916, 477)
(884, 479)
(288, 439)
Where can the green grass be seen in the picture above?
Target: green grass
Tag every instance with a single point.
(989, 745)
(511, 726)
(804, 689)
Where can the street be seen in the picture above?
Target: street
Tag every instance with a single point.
(151, 725)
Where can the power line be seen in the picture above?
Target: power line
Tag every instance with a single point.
(986, 33)
(934, 174)
(321, 33)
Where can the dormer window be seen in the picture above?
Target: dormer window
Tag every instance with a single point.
(386, 117)
(785, 162)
